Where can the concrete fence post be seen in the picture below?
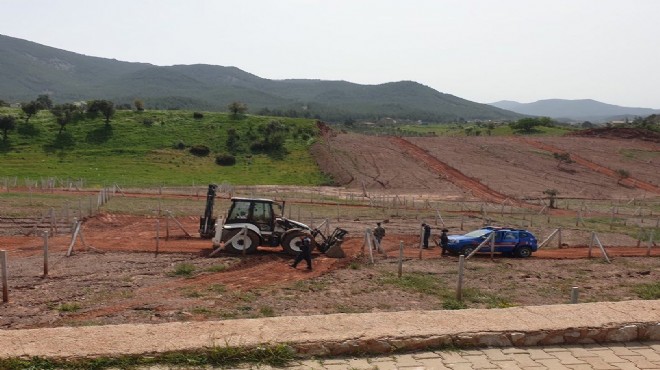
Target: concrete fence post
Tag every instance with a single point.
(400, 270)
(459, 288)
(5, 285)
(574, 294)
(45, 254)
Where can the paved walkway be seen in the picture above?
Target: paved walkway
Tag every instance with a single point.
(533, 337)
(634, 355)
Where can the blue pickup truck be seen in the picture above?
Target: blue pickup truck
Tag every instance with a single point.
(516, 242)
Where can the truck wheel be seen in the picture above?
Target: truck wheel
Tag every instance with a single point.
(293, 240)
(467, 250)
(250, 243)
(523, 252)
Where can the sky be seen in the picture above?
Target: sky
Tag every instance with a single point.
(480, 50)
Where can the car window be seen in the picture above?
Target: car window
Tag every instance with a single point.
(478, 233)
(510, 236)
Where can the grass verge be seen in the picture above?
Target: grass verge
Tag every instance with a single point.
(277, 355)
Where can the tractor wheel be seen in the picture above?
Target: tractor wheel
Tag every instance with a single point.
(293, 240)
(249, 243)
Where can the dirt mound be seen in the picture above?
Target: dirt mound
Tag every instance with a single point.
(620, 133)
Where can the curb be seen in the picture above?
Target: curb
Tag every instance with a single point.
(344, 334)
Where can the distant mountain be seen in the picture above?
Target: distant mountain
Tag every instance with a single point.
(575, 110)
(28, 69)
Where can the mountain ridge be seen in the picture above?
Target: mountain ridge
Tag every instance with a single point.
(578, 110)
(28, 69)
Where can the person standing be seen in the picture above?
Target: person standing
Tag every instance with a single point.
(379, 232)
(444, 241)
(427, 235)
(305, 253)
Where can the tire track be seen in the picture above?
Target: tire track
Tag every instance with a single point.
(455, 176)
(630, 181)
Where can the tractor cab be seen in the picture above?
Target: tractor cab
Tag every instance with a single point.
(258, 212)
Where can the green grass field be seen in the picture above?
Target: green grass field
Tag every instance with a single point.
(141, 149)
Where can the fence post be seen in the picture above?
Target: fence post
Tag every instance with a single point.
(574, 294)
(492, 248)
(157, 236)
(648, 251)
(45, 254)
(3, 267)
(400, 258)
(369, 245)
(244, 238)
(167, 225)
(559, 245)
(459, 288)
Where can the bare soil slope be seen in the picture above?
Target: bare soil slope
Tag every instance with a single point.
(496, 167)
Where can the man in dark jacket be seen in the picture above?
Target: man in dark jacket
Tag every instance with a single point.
(427, 235)
(379, 232)
(305, 253)
(444, 241)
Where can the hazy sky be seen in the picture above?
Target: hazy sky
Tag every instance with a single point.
(480, 50)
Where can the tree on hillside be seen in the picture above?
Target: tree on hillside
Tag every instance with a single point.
(7, 123)
(552, 196)
(44, 101)
(274, 135)
(233, 140)
(490, 126)
(651, 122)
(562, 158)
(139, 105)
(30, 109)
(622, 175)
(105, 107)
(64, 114)
(3, 103)
(237, 108)
(528, 125)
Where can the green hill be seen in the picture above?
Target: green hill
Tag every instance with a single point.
(154, 148)
(28, 69)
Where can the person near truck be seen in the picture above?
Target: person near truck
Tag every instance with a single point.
(426, 235)
(379, 232)
(444, 241)
(305, 253)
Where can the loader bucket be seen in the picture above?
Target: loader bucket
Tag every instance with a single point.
(335, 250)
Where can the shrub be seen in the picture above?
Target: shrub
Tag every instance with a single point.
(453, 304)
(200, 150)
(68, 307)
(225, 160)
(183, 269)
(198, 115)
